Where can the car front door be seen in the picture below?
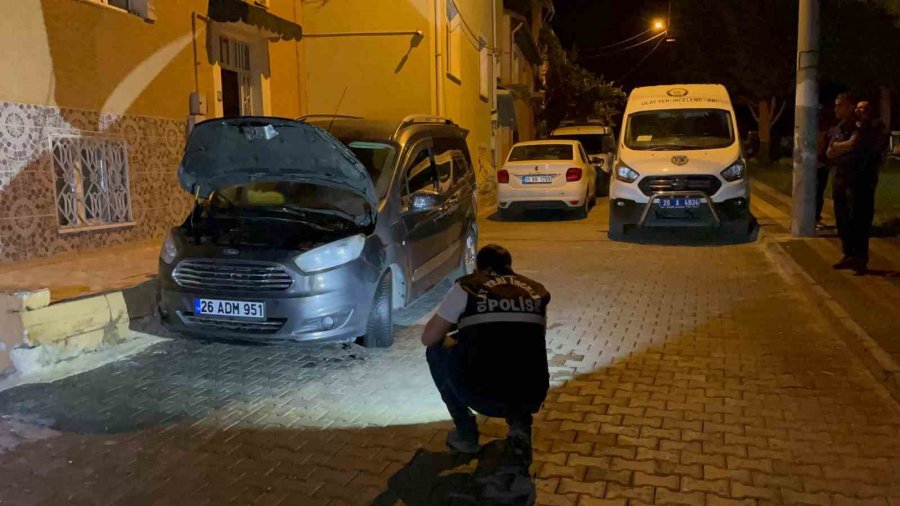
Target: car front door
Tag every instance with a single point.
(421, 232)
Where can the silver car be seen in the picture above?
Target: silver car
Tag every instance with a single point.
(301, 235)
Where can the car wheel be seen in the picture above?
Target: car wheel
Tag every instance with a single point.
(504, 214)
(380, 324)
(585, 209)
(602, 184)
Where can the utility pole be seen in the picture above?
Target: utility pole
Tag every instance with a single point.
(806, 121)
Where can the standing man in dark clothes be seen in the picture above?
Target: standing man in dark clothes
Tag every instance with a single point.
(497, 363)
(856, 159)
(823, 166)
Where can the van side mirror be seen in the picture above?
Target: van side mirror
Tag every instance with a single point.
(423, 200)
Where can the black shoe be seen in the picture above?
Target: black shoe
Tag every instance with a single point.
(463, 441)
(846, 263)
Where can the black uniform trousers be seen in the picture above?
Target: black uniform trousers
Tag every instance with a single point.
(854, 209)
(459, 402)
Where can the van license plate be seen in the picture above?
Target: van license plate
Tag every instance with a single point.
(231, 308)
(679, 203)
(537, 179)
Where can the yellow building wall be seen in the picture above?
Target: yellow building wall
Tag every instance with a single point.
(378, 76)
(77, 54)
(391, 76)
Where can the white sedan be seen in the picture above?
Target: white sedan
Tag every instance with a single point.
(555, 174)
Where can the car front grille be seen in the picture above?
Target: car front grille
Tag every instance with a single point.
(259, 327)
(232, 276)
(697, 183)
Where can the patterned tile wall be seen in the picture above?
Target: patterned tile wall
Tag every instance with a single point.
(28, 221)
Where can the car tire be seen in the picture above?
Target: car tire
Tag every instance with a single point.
(585, 209)
(504, 214)
(602, 183)
(380, 323)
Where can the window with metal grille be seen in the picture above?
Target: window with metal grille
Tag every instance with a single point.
(91, 181)
(142, 8)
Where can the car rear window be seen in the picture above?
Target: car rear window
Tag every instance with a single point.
(542, 152)
(593, 143)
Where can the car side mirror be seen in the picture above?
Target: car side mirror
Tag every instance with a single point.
(423, 200)
(598, 161)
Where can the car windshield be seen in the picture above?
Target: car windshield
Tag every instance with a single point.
(679, 129)
(541, 152)
(301, 201)
(378, 159)
(593, 143)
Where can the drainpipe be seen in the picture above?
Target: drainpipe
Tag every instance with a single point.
(512, 45)
(438, 60)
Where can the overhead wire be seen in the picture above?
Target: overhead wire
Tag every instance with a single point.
(614, 44)
(644, 59)
(619, 50)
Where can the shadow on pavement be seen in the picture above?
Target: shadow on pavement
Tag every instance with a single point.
(691, 236)
(434, 479)
(535, 216)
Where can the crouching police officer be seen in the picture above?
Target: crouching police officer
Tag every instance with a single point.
(496, 364)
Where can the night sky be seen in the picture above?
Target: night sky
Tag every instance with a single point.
(587, 24)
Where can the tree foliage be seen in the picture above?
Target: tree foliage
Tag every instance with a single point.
(860, 43)
(573, 92)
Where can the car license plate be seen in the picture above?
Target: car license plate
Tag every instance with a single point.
(231, 308)
(679, 203)
(537, 179)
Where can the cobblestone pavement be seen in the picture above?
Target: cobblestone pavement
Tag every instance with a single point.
(687, 375)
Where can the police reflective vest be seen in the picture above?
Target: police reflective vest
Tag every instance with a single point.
(502, 345)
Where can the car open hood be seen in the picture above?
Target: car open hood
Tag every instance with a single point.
(225, 152)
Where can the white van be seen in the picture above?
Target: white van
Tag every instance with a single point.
(679, 162)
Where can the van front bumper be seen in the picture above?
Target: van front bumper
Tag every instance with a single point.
(649, 214)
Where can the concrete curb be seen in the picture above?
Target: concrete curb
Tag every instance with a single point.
(880, 364)
(38, 335)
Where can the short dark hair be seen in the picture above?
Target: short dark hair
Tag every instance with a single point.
(848, 96)
(494, 257)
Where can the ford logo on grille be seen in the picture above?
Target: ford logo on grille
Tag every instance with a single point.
(231, 251)
(680, 160)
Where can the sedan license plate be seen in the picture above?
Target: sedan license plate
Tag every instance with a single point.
(679, 203)
(231, 308)
(537, 179)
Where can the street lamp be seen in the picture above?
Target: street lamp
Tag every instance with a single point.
(659, 25)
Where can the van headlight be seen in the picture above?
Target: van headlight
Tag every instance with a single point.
(332, 254)
(169, 250)
(626, 174)
(734, 172)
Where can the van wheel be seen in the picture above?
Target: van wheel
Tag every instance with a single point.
(616, 229)
(380, 324)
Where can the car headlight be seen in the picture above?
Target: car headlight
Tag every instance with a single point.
(169, 250)
(734, 172)
(332, 254)
(626, 174)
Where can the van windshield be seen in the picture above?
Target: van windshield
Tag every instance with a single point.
(378, 159)
(679, 129)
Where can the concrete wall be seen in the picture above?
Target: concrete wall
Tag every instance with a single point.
(78, 68)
